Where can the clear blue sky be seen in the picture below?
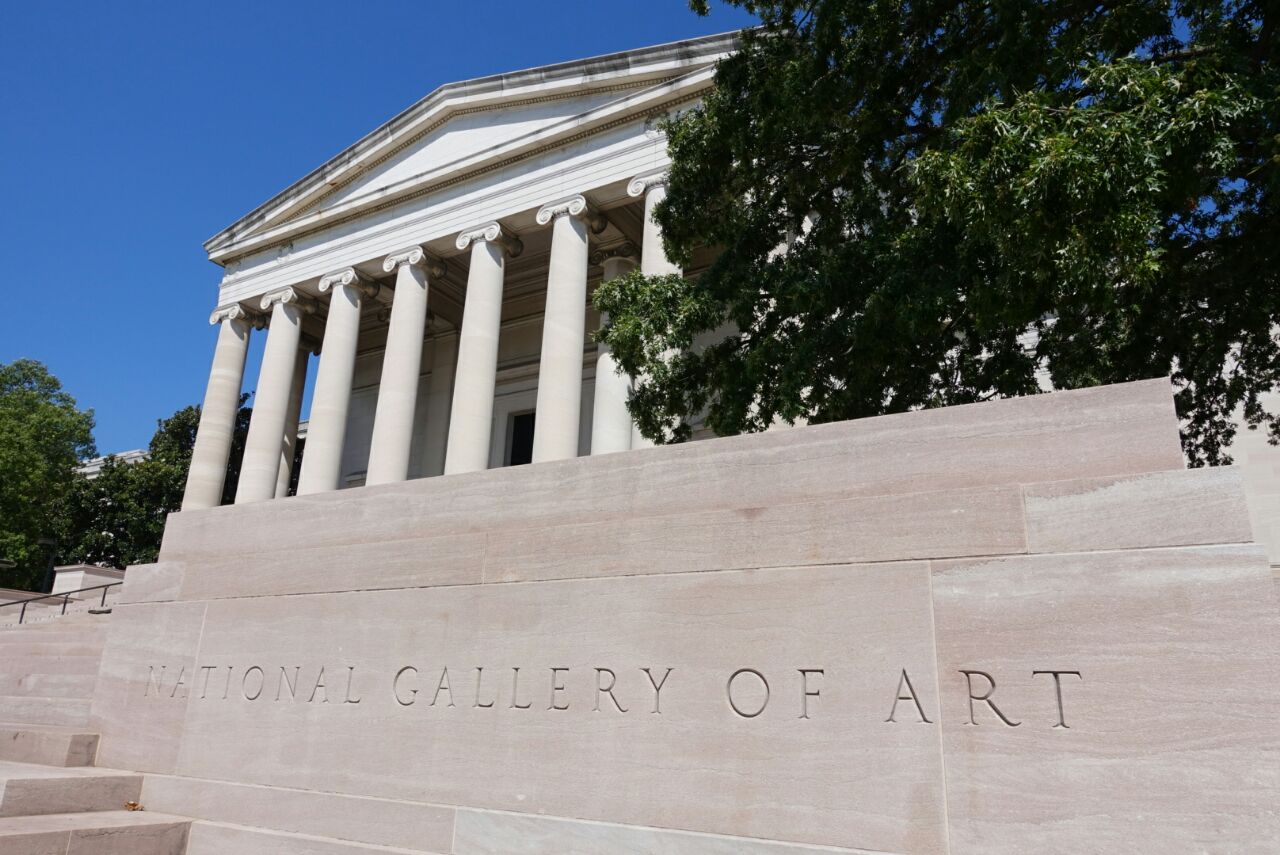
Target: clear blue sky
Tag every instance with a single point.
(131, 132)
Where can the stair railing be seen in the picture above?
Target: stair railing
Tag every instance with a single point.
(65, 596)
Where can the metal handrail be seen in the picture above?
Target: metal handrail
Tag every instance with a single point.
(65, 596)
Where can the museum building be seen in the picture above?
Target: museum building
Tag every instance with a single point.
(441, 269)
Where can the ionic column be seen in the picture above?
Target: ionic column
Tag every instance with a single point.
(331, 400)
(271, 400)
(293, 415)
(471, 421)
(444, 361)
(208, 471)
(401, 366)
(653, 256)
(610, 421)
(555, 432)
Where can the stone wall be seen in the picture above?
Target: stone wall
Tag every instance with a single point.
(1013, 627)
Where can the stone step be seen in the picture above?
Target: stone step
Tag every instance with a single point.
(73, 712)
(49, 685)
(30, 789)
(66, 630)
(104, 833)
(51, 746)
(212, 838)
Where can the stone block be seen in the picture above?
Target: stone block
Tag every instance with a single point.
(139, 734)
(208, 838)
(1178, 508)
(381, 822)
(1158, 734)
(680, 756)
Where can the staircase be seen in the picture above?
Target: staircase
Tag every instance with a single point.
(51, 801)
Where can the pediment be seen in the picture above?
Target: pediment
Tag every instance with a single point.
(464, 126)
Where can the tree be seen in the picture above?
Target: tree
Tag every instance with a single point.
(43, 435)
(968, 194)
(117, 518)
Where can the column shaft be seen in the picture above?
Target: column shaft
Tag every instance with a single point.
(653, 256)
(208, 471)
(270, 404)
(292, 417)
(559, 413)
(610, 420)
(401, 369)
(471, 422)
(331, 401)
(444, 362)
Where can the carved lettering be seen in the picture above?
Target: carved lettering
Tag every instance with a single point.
(479, 679)
(153, 679)
(515, 692)
(904, 682)
(556, 688)
(657, 689)
(285, 681)
(244, 683)
(733, 702)
(226, 689)
(805, 692)
(319, 687)
(208, 672)
(395, 687)
(179, 683)
(985, 698)
(443, 686)
(351, 675)
(607, 690)
(1057, 689)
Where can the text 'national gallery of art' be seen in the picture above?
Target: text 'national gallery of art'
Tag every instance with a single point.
(1023, 626)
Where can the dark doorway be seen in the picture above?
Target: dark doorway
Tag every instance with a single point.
(520, 444)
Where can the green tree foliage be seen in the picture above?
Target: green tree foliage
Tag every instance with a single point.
(42, 437)
(949, 177)
(117, 518)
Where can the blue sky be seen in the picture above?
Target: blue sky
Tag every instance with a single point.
(131, 132)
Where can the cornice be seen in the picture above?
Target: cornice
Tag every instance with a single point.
(491, 233)
(351, 278)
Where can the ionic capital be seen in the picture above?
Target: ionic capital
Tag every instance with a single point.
(625, 250)
(574, 206)
(237, 312)
(642, 184)
(491, 233)
(289, 297)
(351, 279)
(415, 256)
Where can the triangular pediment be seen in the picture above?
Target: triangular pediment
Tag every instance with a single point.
(464, 126)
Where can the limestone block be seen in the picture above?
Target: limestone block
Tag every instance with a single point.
(1178, 508)
(139, 734)
(819, 764)
(29, 790)
(489, 833)
(986, 521)
(213, 839)
(364, 820)
(1159, 733)
(151, 583)
(1106, 431)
